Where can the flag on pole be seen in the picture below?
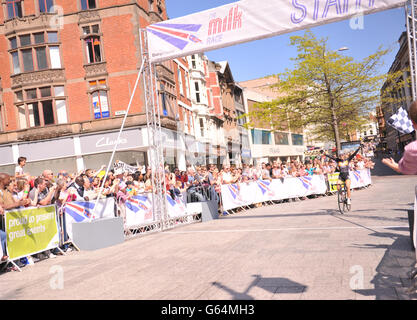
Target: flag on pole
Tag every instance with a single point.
(401, 122)
(122, 167)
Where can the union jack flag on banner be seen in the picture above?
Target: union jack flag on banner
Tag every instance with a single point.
(176, 207)
(357, 175)
(138, 210)
(265, 187)
(80, 211)
(140, 204)
(306, 181)
(234, 191)
(84, 211)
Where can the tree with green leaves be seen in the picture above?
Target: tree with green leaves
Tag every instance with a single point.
(326, 91)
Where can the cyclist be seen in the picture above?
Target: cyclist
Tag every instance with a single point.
(342, 166)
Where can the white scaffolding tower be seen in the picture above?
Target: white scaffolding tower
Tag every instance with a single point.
(411, 23)
(153, 122)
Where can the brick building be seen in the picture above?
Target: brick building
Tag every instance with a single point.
(268, 144)
(67, 73)
(391, 138)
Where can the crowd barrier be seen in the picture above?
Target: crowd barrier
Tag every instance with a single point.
(33, 230)
(138, 209)
(30, 231)
(244, 194)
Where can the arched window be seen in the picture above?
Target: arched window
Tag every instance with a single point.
(100, 104)
(92, 40)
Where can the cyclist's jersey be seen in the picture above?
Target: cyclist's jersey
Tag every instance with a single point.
(343, 165)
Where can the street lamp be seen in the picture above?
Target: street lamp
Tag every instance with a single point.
(343, 49)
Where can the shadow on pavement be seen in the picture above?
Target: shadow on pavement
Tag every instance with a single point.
(324, 212)
(392, 281)
(272, 285)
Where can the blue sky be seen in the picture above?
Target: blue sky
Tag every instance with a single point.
(270, 56)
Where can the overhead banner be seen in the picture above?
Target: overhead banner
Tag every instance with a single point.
(30, 231)
(249, 20)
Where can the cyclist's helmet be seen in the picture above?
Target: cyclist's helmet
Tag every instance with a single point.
(341, 153)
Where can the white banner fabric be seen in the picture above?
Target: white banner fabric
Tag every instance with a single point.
(237, 195)
(249, 20)
(244, 194)
(83, 211)
(360, 178)
(139, 209)
(176, 207)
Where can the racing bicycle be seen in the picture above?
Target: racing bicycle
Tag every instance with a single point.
(342, 199)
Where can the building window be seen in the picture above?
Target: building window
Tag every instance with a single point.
(187, 85)
(45, 5)
(41, 106)
(160, 8)
(164, 100)
(14, 9)
(180, 84)
(191, 123)
(88, 4)
(202, 127)
(297, 139)
(197, 92)
(193, 63)
(150, 3)
(281, 138)
(33, 53)
(241, 120)
(98, 90)
(261, 137)
(266, 137)
(185, 121)
(92, 40)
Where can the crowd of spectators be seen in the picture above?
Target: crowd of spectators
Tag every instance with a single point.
(23, 190)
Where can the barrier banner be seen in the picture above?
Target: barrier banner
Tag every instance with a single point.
(244, 194)
(266, 190)
(360, 178)
(31, 230)
(249, 20)
(139, 210)
(176, 207)
(333, 178)
(83, 211)
(232, 198)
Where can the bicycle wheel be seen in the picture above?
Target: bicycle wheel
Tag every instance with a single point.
(341, 199)
(347, 206)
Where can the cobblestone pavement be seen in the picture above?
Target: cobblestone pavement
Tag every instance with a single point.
(298, 250)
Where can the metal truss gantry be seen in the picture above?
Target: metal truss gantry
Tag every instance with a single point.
(156, 148)
(411, 22)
